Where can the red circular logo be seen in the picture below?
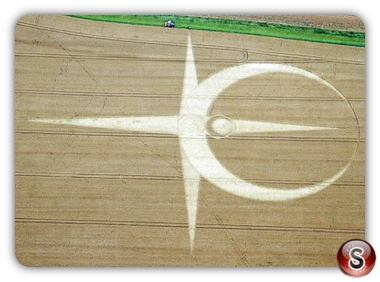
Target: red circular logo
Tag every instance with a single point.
(356, 258)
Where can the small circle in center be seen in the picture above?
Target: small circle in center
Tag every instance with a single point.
(220, 126)
(191, 125)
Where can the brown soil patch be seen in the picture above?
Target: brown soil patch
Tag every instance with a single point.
(332, 22)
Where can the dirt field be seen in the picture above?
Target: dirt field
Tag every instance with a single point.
(333, 22)
(106, 197)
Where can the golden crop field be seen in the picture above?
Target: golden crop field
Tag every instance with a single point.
(150, 146)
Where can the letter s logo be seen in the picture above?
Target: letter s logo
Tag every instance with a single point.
(356, 261)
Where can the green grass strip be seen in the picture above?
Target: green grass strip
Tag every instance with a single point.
(241, 27)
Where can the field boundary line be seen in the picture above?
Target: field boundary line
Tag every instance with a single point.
(348, 38)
